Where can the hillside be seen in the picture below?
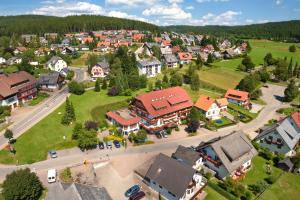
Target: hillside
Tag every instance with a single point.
(34, 24)
(287, 30)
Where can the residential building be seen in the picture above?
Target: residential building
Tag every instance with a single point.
(165, 50)
(208, 107)
(238, 97)
(188, 156)
(222, 103)
(14, 60)
(170, 60)
(286, 164)
(184, 57)
(16, 87)
(100, 70)
(174, 180)
(50, 81)
(56, 64)
(282, 137)
(150, 67)
(229, 155)
(76, 191)
(2, 60)
(162, 108)
(125, 120)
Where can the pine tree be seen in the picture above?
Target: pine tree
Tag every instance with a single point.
(97, 85)
(290, 69)
(165, 79)
(72, 113)
(195, 82)
(104, 85)
(295, 72)
(291, 92)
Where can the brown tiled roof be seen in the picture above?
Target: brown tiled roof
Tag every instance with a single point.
(237, 95)
(204, 102)
(124, 117)
(11, 83)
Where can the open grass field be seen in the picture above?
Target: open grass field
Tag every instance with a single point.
(213, 194)
(286, 187)
(48, 134)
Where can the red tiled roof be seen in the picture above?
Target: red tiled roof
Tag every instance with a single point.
(204, 102)
(137, 37)
(296, 118)
(130, 118)
(166, 42)
(222, 102)
(158, 39)
(165, 101)
(88, 39)
(237, 95)
(185, 56)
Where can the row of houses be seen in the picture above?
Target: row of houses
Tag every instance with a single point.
(157, 110)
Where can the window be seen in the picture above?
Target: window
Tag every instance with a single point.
(160, 186)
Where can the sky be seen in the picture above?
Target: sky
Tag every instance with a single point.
(164, 12)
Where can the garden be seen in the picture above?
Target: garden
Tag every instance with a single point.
(240, 113)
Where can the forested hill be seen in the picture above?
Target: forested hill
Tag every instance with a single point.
(288, 30)
(35, 24)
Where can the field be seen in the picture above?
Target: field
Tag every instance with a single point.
(48, 134)
(213, 194)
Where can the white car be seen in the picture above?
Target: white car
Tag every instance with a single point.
(51, 175)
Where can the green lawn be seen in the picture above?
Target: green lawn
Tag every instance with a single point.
(236, 109)
(222, 122)
(48, 134)
(40, 97)
(287, 111)
(286, 187)
(10, 69)
(258, 171)
(212, 194)
(195, 94)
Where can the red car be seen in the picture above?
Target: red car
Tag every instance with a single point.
(137, 196)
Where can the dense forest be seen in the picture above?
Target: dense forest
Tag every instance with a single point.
(288, 30)
(34, 24)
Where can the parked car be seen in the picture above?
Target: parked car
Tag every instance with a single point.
(117, 144)
(53, 154)
(51, 175)
(108, 144)
(137, 196)
(164, 134)
(101, 145)
(158, 135)
(131, 191)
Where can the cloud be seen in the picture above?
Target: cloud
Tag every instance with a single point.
(278, 2)
(175, 1)
(172, 12)
(249, 21)
(207, 1)
(190, 8)
(263, 21)
(65, 8)
(130, 2)
(125, 15)
(226, 18)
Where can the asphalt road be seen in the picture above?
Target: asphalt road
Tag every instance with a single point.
(269, 95)
(41, 110)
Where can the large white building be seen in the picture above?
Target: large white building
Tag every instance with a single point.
(150, 67)
(56, 64)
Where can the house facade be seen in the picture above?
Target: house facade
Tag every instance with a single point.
(230, 155)
(185, 57)
(170, 60)
(150, 67)
(17, 87)
(50, 81)
(163, 177)
(162, 109)
(282, 137)
(100, 70)
(238, 97)
(56, 64)
(208, 107)
(189, 157)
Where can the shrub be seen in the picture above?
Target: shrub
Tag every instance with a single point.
(70, 75)
(66, 175)
(259, 187)
(270, 179)
(76, 88)
(91, 125)
(114, 91)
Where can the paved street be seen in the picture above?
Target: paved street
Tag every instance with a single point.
(41, 110)
(169, 145)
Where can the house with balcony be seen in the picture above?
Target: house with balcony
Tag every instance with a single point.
(16, 88)
(208, 107)
(56, 64)
(185, 57)
(163, 108)
(229, 155)
(173, 179)
(150, 67)
(100, 70)
(126, 121)
(282, 137)
(170, 60)
(50, 81)
(238, 97)
(188, 156)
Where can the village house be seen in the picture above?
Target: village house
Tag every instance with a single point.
(19, 50)
(27, 38)
(150, 67)
(188, 156)
(170, 60)
(229, 155)
(194, 50)
(17, 87)
(184, 57)
(174, 180)
(208, 107)
(51, 36)
(165, 50)
(126, 121)
(100, 70)
(163, 108)
(50, 81)
(13, 60)
(238, 97)
(2, 61)
(56, 64)
(222, 103)
(282, 137)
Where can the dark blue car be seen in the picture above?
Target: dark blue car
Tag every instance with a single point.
(131, 191)
(117, 143)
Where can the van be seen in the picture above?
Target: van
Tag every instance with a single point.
(51, 175)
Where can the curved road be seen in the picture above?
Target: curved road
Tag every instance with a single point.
(266, 114)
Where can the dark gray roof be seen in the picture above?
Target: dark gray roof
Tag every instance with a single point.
(53, 60)
(287, 162)
(233, 150)
(147, 62)
(171, 174)
(187, 155)
(170, 58)
(75, 191)
(50, 78)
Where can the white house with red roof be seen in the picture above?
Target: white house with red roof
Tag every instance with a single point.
(125, 120)
(238, 97)
(209, 107)
(163, 108)
(185, 57)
